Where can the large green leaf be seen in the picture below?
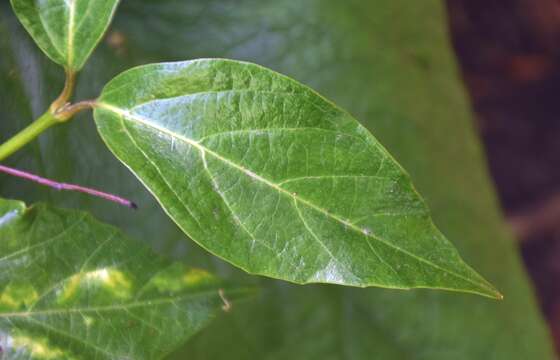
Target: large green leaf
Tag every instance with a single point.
(268, 175)
(74, 288)
(66, 30)
(389, 63)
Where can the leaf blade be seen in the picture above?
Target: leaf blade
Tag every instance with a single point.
(73, 287)
(242, 126)
(66, 31)
(375, 89)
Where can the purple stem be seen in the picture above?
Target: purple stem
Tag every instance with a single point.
(68, 187)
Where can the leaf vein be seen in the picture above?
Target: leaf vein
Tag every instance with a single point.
(45, 242)
(142, 121)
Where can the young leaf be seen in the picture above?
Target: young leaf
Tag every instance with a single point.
(265, 173)
(72, 287)
(66, 30)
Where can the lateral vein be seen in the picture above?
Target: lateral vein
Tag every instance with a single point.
(143, 121)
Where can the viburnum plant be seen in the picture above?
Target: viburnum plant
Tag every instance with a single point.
(253, 166)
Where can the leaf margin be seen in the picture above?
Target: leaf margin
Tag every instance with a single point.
(485, 289)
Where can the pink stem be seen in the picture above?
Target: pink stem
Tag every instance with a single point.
(68, 187)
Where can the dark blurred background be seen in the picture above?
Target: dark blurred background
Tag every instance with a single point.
(509, 51)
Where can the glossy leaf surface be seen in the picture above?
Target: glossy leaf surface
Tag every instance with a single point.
(74, 288)
(265, 173)
(389, 62)
(66, 30)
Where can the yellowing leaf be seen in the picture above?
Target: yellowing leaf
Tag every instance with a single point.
(71, 287)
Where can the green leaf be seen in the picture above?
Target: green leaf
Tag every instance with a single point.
(263, 172)
(398, 77)
(66, 30)
(72, 287)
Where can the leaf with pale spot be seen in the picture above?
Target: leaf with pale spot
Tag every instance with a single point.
(74, 288)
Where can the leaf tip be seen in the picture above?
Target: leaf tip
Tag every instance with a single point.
(499, 296)
(491, 292)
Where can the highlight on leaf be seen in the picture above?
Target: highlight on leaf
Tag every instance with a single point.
(74, 288)
(270, 176)
(66, 30)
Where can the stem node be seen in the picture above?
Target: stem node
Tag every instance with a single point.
(66, 94)
(61, 110)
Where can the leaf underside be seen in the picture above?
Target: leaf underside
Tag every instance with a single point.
(74, 288)
(265, 173)
(66, 30)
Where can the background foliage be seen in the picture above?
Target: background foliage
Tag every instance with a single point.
(74, 286)
(388, 62)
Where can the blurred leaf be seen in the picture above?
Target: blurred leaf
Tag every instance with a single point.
(265, 173)
(66, 30)
(389, 63)
(72, 287)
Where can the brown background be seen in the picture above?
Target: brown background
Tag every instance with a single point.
(509, 51)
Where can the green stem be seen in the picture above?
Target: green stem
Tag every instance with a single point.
(28, 134)
(60, 111)
(66, 94)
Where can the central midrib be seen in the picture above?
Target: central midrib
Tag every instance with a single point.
(71, 22)
(129, 116)
(120, 307)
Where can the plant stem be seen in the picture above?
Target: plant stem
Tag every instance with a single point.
(27, 135)
(59, 111)
(66, 93)
(68, 111)
(69, 187)
(47, 120)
